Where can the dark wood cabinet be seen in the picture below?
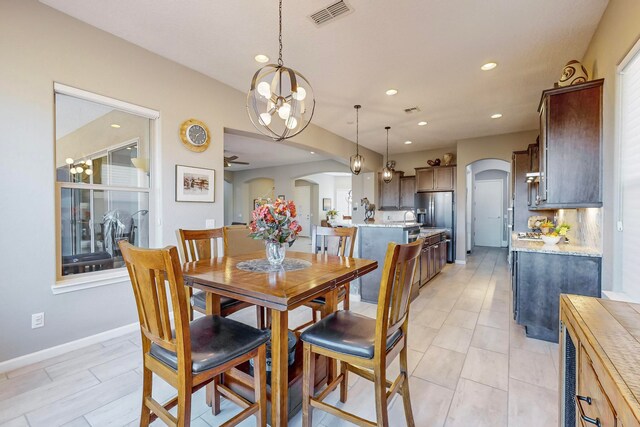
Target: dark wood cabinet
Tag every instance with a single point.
(433, 257)
(389, 193)
(437, 178)
(407, 192)
(570, 150)
(523, 192)
(540, 278)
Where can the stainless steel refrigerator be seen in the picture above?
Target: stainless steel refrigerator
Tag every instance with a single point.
(437, 210)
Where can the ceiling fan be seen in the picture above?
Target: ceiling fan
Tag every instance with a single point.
(232, 160)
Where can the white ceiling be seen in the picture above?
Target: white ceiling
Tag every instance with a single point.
(429, 50)
(264, 153)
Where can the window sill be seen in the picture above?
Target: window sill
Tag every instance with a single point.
(73, 284)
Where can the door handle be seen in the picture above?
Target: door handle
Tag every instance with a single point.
(579, 400)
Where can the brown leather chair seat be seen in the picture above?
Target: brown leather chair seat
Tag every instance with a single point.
(199, 299)
(347, 332)
(214, 341)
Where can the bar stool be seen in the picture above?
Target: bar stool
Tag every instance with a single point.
(192, 354)
(366, 346)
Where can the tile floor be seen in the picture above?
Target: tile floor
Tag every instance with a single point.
(471, 365)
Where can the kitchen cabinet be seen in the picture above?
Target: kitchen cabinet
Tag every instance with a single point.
(540, 278)
(407, 192)
(520, 166)
(570, 149)
(437, 178)
(433, 257)
(389, 193)
(598, 362)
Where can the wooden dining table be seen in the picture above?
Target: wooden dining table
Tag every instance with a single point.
(281, 291)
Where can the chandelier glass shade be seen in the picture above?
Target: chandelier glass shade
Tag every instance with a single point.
(356, 161)
(387, 173)
(280, 102)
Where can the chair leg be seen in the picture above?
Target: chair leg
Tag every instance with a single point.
(184, 405)
(214, 395)
(147, 381)
(260, 385)
(344, 385)
(260, 318)
(308, 389)
(380, 391)
(406, 397)
(345, 303)
(314, 315)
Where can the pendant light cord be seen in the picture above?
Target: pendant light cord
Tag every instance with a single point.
(280, 63)
(357, 130)
(387, 145)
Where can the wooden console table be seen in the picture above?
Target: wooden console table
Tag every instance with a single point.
(599, 362)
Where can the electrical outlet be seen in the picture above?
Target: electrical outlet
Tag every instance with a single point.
(210, 223)
(37, 320)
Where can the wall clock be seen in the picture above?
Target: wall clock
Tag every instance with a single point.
(195, 135)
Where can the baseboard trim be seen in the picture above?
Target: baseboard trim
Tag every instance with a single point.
(461, 261)
(47, 353)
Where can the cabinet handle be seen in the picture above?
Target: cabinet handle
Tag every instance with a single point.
(590, 420)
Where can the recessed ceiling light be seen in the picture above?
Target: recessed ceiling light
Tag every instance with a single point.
(391, 92)
(261, 58)
(312, 152)
(489, 66)
(422, 123)
(408, 142)
(115, 125)
(496, 116)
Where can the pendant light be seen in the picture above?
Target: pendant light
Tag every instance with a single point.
(387, 174)
(356, 161)
(280, 102)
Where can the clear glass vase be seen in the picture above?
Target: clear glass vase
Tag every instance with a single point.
(275, 252)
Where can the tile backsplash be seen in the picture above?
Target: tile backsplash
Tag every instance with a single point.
(586, 225)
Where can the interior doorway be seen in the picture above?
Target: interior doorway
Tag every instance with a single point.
(302, 199)
(488, 215)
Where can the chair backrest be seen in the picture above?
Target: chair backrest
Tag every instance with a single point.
(338, 241)
(395, 289)
(238, 242)
(201, 244)
(148, 270)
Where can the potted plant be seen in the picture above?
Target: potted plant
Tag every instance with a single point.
(275, 224)
(546, 226)
(331, 216)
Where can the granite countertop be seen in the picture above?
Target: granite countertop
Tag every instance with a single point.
(559, 249)
(428, 232)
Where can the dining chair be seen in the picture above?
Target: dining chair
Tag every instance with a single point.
(338, 241)
(191, 354)
(365, 346)
(204, 244)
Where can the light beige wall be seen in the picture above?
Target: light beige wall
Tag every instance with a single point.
(618, 31)
(468, 151)
(407, 162)
(40, 46)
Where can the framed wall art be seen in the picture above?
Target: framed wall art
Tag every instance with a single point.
(195, 184)
(326, 204)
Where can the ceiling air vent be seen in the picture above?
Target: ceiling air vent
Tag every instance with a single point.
(330, 12)
(412, 110)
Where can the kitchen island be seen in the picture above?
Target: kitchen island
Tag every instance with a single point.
(373, 239)
(540, 273)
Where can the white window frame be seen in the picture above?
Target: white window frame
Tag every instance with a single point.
(618, 291)
(65, 284)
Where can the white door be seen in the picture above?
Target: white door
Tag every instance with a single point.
(302, 199)
(488, 213)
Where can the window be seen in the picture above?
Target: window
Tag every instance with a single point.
(629, 152)
(102, 181)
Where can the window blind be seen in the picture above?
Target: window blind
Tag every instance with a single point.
(630, 176)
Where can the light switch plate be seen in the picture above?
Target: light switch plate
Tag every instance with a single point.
(210, 223)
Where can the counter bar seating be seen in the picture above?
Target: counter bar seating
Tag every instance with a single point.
(365, 346)
(193, 353)
(338, 241)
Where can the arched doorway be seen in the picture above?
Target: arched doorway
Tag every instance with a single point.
(487, 203)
